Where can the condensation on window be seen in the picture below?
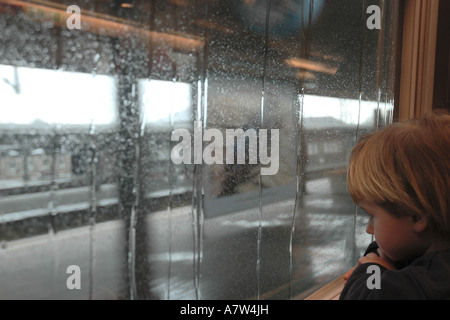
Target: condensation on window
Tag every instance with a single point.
(185, 149)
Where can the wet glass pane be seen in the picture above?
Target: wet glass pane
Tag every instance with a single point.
(185, 149)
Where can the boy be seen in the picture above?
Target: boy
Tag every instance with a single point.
(401, 177)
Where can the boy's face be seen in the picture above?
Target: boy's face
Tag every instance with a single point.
(398, 238)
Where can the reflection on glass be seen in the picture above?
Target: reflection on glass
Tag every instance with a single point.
(86, 175)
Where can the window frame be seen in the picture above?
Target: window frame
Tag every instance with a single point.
(420, 21)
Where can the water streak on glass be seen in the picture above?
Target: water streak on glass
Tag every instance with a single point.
(135, 203)
(169, 203)
(197, 196)
(132, 255)
(380, 62)
(351, 239)
(299, 188)
(263, 91)
(169, 250)
(92, 206)
(53, 183)
(306, 30)
(197, 228)
(134, 221)
(201, 115)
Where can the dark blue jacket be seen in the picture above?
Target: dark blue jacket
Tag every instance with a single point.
(425, 278)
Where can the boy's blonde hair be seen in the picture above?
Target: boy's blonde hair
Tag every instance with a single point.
(405, 169)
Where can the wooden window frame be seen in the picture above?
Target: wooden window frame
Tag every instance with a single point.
(420, 23)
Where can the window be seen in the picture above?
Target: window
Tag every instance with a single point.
(186, 149)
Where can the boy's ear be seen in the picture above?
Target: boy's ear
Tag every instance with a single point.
(420, 223)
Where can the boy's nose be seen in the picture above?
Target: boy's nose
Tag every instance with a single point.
(369, 228)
